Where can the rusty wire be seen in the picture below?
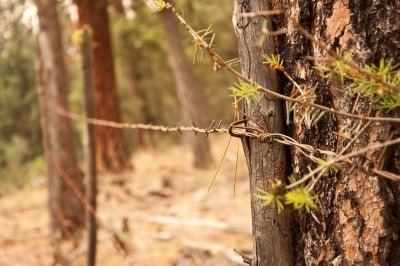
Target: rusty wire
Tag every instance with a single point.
(220, 62)
(236, 129)
(213, 128)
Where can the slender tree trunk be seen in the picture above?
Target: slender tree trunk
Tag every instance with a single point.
(89, 149)
(358, 221)
(134, 86)
(110, 153)
(272, 242)
(190, 96)
(66, 212)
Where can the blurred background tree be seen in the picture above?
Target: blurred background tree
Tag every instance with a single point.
(146, 85)
(64, 175)
(110, 152)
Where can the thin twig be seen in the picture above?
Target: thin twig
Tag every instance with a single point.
(353, 140)
(222, 63)
(345, 158)
(262, 13)
(337, 57)
(246, 259)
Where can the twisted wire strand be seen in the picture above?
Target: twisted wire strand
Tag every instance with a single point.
(237, 130)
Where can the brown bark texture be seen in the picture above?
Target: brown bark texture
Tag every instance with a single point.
(272, 242)
(358, 221)
(110, 153)
(192, 99)
(66, 212)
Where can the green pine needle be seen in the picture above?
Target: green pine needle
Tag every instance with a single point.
(367, 80)
(245, 91)
(160, 5)
(271, 199)
(300, 198)
(274, 61)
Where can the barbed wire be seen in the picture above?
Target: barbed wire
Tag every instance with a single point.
(238, 129)
(220, 62)
(213, 128)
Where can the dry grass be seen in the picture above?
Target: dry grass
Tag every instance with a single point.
(172, 218)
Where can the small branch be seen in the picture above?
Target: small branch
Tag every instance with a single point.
(8, 241)
(335, 56)
(221, 62)
(274, 33)
(14, 210)
(211, 224)
(246, 259)
(262, 13)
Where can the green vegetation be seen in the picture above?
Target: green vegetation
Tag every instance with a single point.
(380, 83)
(246, 92)
(299, 198)
(146, 87)
(20, 137)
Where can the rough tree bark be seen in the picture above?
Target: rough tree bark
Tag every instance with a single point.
(110, 153)
(358, 221)
(66, 212)
(272, 242)
(190, 96)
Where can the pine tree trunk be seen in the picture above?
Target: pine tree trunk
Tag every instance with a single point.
(190, 96)
(110, 153)
(358, 221)
(272, 242)
(66, 211)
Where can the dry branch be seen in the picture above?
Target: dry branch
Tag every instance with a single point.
(218, 60)
(211, 224)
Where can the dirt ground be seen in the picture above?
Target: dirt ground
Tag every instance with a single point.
(162, 211)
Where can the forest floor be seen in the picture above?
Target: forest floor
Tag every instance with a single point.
(161, 210)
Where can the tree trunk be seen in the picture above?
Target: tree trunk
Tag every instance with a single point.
(110, 153)
(118, 5)
(192, 99)
(66, 212)
(358, 221)
(272, 242)
(89, 149)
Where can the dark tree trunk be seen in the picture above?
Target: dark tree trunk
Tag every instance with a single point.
(358, 221)
(190, 95)
(272, 242)
(110, 153)
(89, 149)
(66, 212)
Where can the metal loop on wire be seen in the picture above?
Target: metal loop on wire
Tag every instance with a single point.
(264, 138)
(236, 134)
(261, 136)
(366, 165)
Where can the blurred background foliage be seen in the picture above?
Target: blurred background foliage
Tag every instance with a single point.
(20, 137)
(146, 86)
